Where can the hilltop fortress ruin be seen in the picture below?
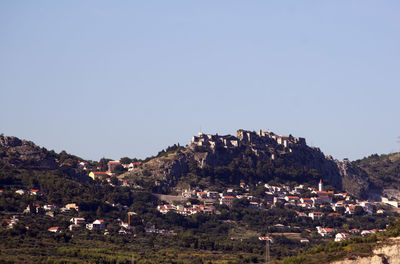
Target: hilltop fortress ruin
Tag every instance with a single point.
(262, 139)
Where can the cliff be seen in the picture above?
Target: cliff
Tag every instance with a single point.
(252, 156)
(386, 254)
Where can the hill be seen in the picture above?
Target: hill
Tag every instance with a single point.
(383, 172)
(220, 161)
(227, 232)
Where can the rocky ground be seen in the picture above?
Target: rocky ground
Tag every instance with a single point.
(387, 254)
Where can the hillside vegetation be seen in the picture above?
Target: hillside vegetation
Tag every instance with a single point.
(230, 235)
(353, 250)
(383, 170)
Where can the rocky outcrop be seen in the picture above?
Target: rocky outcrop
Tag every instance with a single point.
(388, 254)
(354, 179)
(163, 170)
(25, 154)
(8, 142)
(252, 148)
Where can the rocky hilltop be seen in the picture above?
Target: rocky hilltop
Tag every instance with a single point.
(253, 155)
(24, 155)
(15, 152)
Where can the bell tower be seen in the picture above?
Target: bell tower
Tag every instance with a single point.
(320, 186)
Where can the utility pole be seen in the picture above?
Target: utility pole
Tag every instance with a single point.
(267, 257)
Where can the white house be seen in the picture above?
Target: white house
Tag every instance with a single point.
(49, 207)
(97, 224)
(20, 192)
(341, 236)
(368, 232)
(55, 229)
(77, 220)
(315, 215)
(325, 231)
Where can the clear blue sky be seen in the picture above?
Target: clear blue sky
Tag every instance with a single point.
(128, 78)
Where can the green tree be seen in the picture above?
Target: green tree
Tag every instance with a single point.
(103, 164)
(125, 160)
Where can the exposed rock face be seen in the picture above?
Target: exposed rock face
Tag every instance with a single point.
(215, 151)
(166, 169)
(23, 153)
(392, 193)
(10, 141)
(354, 179)
(389, 254)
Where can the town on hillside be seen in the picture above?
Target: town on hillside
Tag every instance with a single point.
(310, 202)
(307, 202)
(310, 211)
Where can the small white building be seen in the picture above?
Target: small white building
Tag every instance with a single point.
(50, 207)
(54, 229)
(97, 224)
(341, 236)
(77, 220)
(325, 231)
(315, 215)
(20, 192)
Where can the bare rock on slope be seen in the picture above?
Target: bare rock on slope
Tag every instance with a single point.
(388, 254)
(25, 154)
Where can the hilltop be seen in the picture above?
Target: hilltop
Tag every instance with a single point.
(215, 160)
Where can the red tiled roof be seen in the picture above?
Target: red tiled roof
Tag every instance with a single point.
(100, 172)
(264, 238)
(333, 214)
